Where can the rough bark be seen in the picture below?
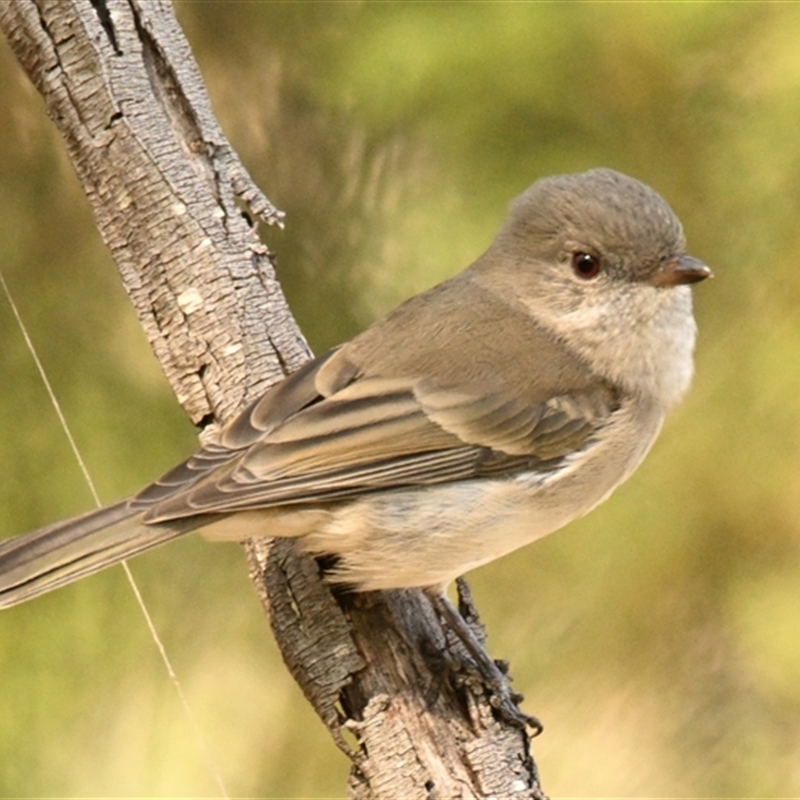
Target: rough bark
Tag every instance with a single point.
(168, 192)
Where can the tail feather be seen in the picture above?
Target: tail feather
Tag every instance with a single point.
(50, 557)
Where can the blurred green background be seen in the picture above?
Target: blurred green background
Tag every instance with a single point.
(658, 639)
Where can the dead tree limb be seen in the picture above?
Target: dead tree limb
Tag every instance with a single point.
(174, 205)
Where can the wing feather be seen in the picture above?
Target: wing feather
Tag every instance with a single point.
(339, 436)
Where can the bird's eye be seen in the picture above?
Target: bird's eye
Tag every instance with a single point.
(585, 265)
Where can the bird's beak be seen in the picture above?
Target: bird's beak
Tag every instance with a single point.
(676, 271)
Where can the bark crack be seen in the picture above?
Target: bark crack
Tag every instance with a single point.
(107, 23)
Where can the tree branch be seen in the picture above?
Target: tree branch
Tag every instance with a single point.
(174, 203)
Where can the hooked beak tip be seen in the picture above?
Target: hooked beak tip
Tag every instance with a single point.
(680, 271)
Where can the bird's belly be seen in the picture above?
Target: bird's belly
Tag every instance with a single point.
(426, 538)
(429, 536)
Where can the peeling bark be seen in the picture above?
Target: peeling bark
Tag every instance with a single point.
(168, 192)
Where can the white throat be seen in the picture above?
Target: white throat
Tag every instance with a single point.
(641, 338)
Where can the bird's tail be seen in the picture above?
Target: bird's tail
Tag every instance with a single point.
(45, 559)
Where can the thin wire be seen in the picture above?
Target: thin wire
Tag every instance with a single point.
(201, 740)
(210, 762)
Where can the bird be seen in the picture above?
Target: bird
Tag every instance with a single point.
(477, 417)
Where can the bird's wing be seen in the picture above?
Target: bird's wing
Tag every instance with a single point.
(327, 434)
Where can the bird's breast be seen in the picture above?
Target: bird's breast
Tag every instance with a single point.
(428, 536)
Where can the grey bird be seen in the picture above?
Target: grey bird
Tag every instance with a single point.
(477, 417)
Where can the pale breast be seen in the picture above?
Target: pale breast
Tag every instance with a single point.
(429, 536)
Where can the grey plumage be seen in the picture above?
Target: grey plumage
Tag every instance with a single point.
(476, 417)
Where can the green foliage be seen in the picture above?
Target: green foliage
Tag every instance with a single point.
(659, 637)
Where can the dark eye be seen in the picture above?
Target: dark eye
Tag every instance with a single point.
(585, 265)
